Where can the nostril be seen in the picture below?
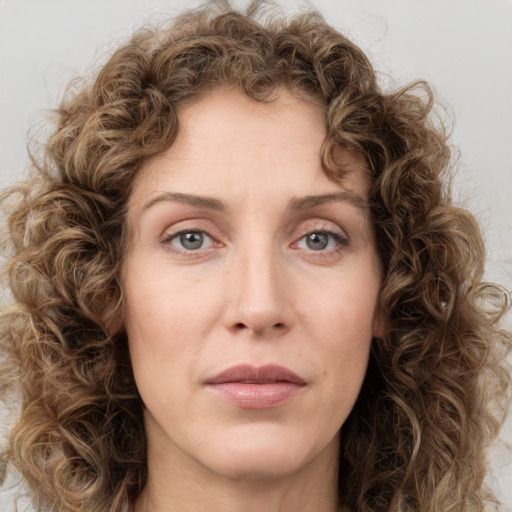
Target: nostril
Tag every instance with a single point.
(241, 325)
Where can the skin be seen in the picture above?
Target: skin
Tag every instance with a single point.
(254, 292)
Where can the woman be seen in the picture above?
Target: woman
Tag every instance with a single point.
(239, 284)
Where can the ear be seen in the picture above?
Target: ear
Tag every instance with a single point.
(113, 325)
(112, 320)
(379, 327)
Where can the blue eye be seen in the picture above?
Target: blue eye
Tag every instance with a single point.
(320, 241)
(190, 240)
(317, 241)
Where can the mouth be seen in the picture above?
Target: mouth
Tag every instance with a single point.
(256, 387)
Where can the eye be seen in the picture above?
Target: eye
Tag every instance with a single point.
(187, 241)
(317, 241)
(321, 241)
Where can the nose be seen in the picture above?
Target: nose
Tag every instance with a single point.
(257, 294)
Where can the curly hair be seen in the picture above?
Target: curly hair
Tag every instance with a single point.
(437, 384)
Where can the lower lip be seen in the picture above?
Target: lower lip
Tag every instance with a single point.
(256, 396)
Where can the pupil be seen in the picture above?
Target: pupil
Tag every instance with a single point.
(317, 241)
(192, 240)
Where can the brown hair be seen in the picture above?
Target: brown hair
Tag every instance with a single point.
(436, 386)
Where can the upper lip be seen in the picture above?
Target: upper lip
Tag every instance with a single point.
(250, 374)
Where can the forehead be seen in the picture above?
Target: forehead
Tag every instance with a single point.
(228, 143)
(226, 123)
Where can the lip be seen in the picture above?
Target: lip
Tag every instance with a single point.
(256, 387)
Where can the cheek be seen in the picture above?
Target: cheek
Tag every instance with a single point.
(341, 320)
(161, 298)
(167, 321)
(343, 310)
(345, 351)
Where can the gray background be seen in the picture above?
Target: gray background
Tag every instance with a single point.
(463, 47)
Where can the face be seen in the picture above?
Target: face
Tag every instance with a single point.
(251, 282)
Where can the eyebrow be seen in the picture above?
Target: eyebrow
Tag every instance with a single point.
(295, 204)
(308, 202)
(209, 203)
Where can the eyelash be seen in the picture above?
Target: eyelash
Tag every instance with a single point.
(340, 240)
(186, 252)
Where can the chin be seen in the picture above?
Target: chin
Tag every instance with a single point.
(261, 456)
(254, 465)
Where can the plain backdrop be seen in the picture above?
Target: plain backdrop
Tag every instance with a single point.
(462, 47)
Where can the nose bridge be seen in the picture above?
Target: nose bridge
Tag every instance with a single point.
(257, 294)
